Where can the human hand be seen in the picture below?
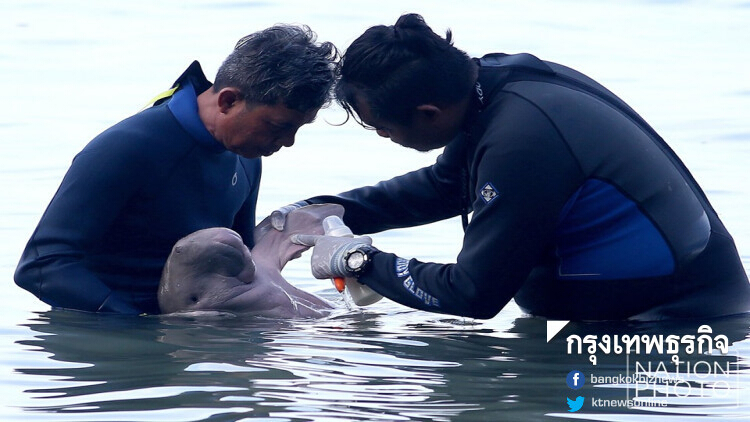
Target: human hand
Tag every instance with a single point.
(329, 253)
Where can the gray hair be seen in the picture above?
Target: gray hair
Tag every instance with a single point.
(281, 65)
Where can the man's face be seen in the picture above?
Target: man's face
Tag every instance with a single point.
(421, 134)
(260, 130)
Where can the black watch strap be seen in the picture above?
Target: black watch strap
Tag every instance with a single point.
(366, 252)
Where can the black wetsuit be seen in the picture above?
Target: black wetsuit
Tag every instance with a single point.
(580, 210)
(128, 196)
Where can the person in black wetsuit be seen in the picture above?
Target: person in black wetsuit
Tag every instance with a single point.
(190, 162)
(579, 209)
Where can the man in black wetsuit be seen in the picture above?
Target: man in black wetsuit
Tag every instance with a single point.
(190, 162)
(579, 209)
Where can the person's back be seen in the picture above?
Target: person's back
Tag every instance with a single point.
(635, 236)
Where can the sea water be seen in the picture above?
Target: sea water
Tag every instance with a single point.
(72, 68)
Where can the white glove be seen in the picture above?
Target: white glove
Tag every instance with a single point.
(329, 253)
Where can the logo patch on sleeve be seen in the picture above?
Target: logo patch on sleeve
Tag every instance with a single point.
(402, 267)
(488, 193)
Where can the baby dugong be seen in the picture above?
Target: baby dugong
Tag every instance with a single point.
(213, 270)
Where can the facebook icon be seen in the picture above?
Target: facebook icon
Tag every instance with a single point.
(575, 379)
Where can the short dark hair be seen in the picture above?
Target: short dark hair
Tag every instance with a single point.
(396, 68)
(281, 64)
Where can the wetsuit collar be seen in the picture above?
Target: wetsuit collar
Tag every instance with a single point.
(497, 69)
(184, 107)
(194, 74)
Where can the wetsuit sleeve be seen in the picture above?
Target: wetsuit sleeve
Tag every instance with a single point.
(527, 173)
(423, 196)
(53, 267)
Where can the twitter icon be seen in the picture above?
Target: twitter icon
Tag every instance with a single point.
(575, 405)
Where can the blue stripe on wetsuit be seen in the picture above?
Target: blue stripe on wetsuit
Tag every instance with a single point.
(184, 107)
(604, 235)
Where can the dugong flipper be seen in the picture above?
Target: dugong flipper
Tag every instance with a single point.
(212, 269)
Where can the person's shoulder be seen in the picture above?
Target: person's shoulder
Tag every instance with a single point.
(152, 134)
(151, 128)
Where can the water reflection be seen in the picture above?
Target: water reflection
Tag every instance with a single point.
(352, 366)
(235, 367)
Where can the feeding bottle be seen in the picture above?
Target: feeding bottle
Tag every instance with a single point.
(360, 294)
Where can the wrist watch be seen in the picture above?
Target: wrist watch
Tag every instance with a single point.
(359, 259)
